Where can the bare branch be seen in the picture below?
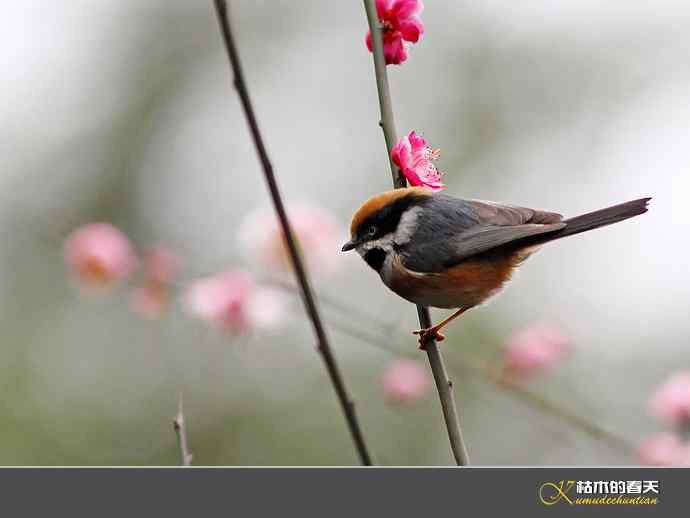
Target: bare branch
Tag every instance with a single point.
(362, 327)
(323, 345)
(381, 337)
(181, 432)
(387, 123)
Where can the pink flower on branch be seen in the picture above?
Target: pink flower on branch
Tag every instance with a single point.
(400, 23)
(99, 254)
(405, 381)
(664, 449)
(415, 160)
(160, 267)
(535, 348)
(233, 301)
(671, 401)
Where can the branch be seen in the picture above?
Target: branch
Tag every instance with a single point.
(549, 407)
(443, 384)
(362, 327)
(181, 432)
(380, 339)
(308, 299)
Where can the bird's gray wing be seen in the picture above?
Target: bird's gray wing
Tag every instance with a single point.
(492, 213)
(451, 230)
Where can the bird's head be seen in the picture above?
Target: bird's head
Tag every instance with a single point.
(385, 221)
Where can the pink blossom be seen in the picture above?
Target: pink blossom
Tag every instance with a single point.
(414, 158)
(671, 401)
(664, 449)
(535, 348)
(266, 308)
(233, 301)
(315, 228)
(401, 23)
(405, 381)
(151, 297)
(160, 264)
(99, 254)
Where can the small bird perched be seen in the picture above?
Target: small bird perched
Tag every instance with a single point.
(436, 250)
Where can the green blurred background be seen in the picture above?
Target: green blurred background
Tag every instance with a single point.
(123, 111)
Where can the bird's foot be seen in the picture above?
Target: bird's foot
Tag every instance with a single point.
(428, 335)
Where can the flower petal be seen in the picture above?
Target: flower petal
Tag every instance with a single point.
(267, 308)
(405, 381)
(150, 300)
(417, 142)
(394, 49)
(664, 449)
(671, 401)
(99, 254)
(402, 9)
(382, 6)
(535, 348)
(411, 29)
(412, 177)
(402, 153)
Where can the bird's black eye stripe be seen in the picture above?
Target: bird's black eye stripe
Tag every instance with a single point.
(386, 220)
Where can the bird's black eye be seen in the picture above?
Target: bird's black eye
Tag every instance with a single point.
(372, 230)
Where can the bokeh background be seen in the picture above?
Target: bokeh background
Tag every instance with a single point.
(124, 112)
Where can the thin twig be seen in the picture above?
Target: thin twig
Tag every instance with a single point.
(308, 299)
(547, 406)
(362, 327)
(181, 432)
(443, 384)
(380, 339)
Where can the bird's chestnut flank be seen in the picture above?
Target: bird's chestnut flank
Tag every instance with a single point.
(445, 252)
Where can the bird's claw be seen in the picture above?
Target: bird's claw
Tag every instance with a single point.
(428, 335)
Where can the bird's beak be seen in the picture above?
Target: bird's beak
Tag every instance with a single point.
(349, 245)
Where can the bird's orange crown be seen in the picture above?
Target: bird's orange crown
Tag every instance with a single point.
(377, 202)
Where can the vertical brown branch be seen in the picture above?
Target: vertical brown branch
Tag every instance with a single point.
(181, 432)
(308, 299)
(387, 123)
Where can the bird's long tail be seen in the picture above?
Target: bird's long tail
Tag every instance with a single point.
(598, 218)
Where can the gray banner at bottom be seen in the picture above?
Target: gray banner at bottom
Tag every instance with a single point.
(350, 492)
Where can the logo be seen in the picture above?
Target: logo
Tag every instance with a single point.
(599, 492)
(551, 493)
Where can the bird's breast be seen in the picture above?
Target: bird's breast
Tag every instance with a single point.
(465, 285)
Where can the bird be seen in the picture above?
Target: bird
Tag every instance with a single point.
(436, 250)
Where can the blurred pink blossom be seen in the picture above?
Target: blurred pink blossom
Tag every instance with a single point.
(664, 449)
(99, 254)
(266, 308)
(401, 23)
(671, 401)
(316, 230)
(414, 158)
(233, 301)
(160, 264)
(535, 348)
(405, 381)
(151, 297)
